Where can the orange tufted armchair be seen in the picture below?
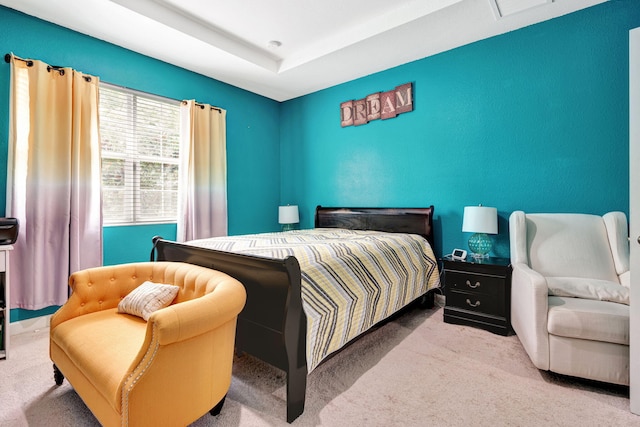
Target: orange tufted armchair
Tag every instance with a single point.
(169, 370)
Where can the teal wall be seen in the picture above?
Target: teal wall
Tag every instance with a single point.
(253, 125)
(536, 119)
(132, 243)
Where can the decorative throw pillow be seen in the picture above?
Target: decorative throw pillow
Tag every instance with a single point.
(147, 298)
(577, 287)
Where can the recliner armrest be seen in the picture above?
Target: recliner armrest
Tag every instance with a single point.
(529, 308)
(530, 278)
(618, 234)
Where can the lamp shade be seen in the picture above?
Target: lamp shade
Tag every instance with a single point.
(480, 219)
(288, 214)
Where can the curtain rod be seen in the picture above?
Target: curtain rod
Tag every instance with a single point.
(149, 94)
(202, 106)
(29, 62)
(7, 59)
(153, 95)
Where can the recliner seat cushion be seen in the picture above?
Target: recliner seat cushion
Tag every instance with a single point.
(102, 345)
(588, 319)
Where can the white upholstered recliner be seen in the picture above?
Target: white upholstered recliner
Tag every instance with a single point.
(570, 293)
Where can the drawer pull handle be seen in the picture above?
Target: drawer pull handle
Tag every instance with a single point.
(477, 284)
(477, 303)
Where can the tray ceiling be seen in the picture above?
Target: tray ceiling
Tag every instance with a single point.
(283, 49)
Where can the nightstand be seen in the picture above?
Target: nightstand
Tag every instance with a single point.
(478, 293)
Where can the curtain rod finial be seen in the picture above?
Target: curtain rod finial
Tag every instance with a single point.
(7, 58)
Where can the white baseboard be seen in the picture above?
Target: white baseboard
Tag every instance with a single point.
(29, 325)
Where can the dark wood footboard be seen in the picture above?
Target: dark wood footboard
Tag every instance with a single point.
(272, 326)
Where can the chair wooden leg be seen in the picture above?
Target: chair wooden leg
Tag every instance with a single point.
(57, 375)
(216, 409)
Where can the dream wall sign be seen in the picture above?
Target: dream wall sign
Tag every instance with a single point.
(379, 105)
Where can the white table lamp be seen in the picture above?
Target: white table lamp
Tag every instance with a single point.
(480, 220)
(288, 216)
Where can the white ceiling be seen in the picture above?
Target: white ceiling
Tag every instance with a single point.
(323, 42)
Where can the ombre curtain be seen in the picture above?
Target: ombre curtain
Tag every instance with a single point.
(202, 199)
(53, 180)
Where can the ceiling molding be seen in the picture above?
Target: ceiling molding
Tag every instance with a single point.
(187, 23)
(322, 43)
(364, 30)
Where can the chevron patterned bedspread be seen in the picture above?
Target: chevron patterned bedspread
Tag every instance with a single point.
(351, 279)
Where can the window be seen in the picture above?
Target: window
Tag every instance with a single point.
(140, 156)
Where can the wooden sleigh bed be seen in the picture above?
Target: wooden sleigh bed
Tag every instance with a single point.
(273, 324)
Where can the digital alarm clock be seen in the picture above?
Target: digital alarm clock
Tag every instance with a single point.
(459, 254)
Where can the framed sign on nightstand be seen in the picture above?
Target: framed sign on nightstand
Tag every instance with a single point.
(478, 293)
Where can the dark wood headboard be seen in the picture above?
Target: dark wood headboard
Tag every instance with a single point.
(393, 220)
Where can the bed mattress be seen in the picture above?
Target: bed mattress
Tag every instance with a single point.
(351, 279)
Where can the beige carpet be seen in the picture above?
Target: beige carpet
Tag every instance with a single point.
(413, 371)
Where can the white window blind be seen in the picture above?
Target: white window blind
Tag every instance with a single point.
(140, 156)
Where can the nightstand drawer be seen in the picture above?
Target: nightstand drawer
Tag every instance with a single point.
(476, 283)
(480, 303)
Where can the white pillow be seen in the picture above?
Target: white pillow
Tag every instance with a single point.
(147, 298)
(595, 289)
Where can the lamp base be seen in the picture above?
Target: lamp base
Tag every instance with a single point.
(288, 227)
(480, 245)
